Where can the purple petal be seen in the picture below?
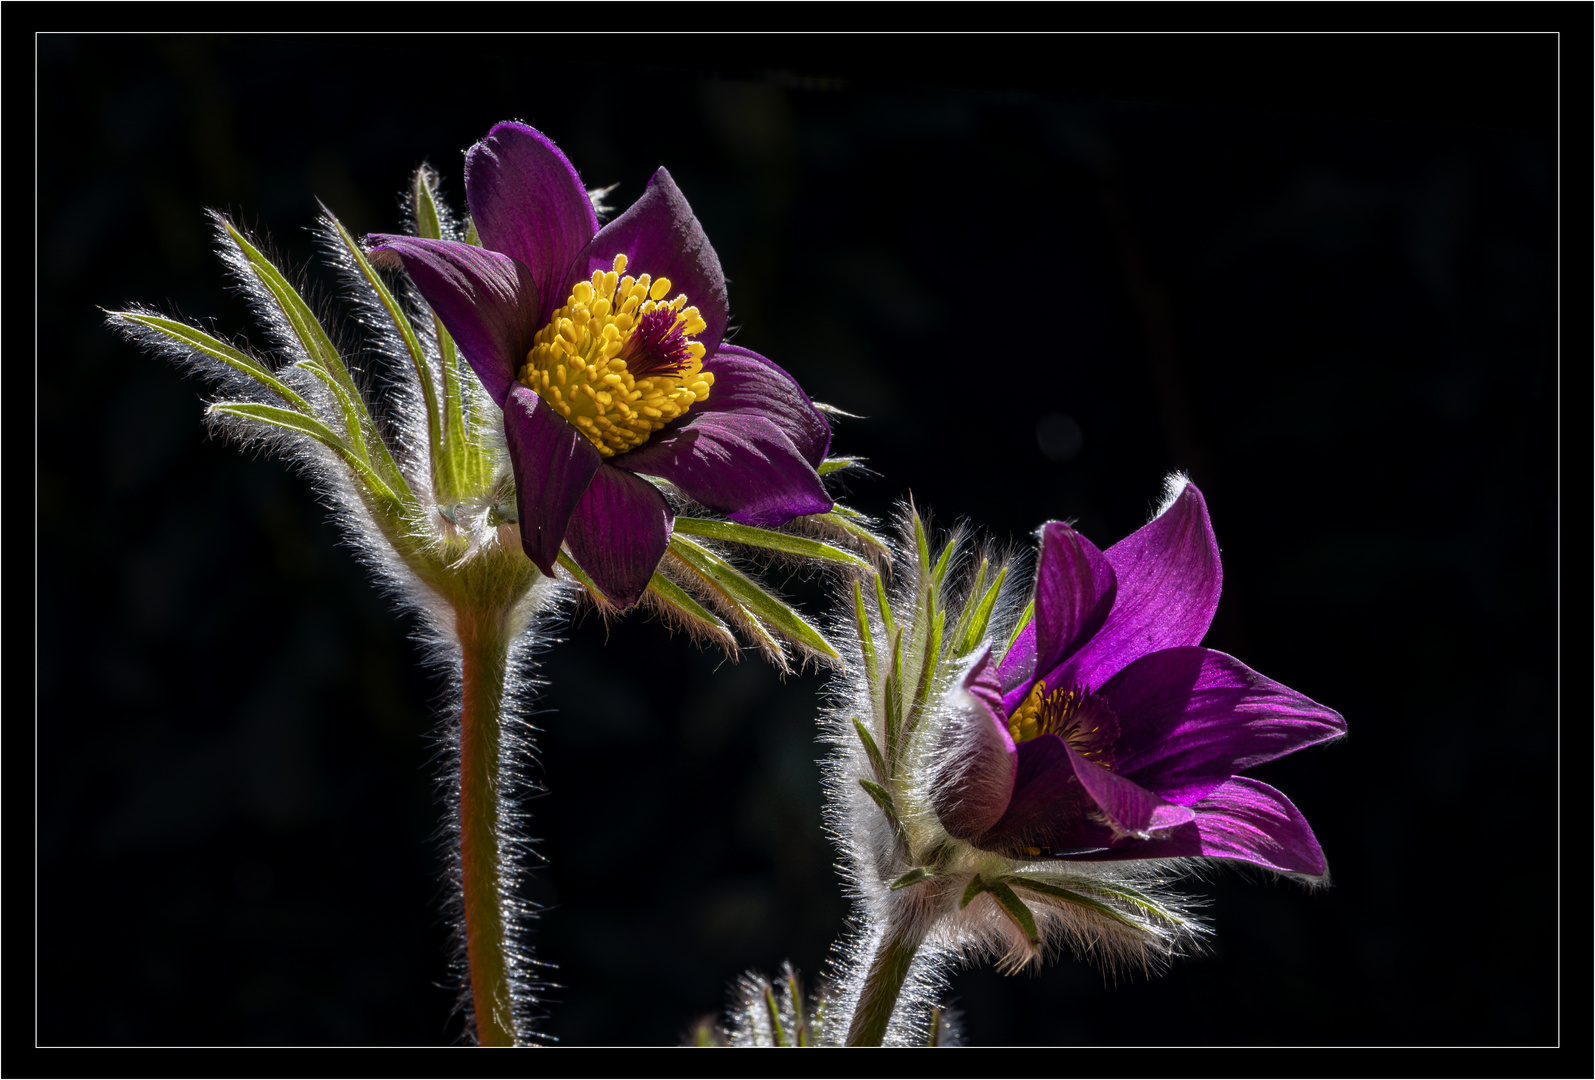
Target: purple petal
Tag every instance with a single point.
(619, 533)
(738, 464)
(1190, 718)
(660, 236)
(1130, 808)
(1050, 808)
(744, 381)
(527, 202)
(487, 301)
(1064, 803)
(1075, 586)
(1244, 820)
(977, 758)
(1018, 667)
(554, 465)
(1169, 579)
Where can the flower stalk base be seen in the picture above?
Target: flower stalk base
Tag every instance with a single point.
(883, 984)
(484, 646)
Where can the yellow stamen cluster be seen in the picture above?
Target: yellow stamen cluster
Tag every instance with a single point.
(578, 363)
(1059, 713)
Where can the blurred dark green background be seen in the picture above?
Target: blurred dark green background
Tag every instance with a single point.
(1335, 308)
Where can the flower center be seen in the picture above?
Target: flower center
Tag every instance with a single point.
(1078, 717)
(619, 361)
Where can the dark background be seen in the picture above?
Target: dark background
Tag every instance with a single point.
(1326, 286)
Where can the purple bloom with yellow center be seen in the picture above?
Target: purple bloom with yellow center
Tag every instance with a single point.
(1107, 733)
(605, 350)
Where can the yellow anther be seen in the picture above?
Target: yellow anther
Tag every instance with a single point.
(580, 362)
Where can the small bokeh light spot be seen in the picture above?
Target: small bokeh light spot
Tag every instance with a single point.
(1059, 436)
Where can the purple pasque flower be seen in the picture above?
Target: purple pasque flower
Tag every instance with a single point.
(604, 349)
(1107, 733)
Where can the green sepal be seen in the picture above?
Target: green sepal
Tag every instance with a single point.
(1058, 892)
(471, 235)
(913, 877)
(580, 575)
(734, 584)
(975, 632)
(216, 349)
(747, 535)
(836, 464)
(883, 799)
(877, 762)
(923, 546)
(1016, 910)
(1019, 627)
(309, 425)
(674, 595)
(866, 640)
(776, 1031)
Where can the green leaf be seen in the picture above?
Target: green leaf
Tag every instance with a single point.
(471, 468)
(442, 475)
(1016, 910)
(883, 799)
(894, 702)
(877, 762)
(678, 598)
(928, 665)
(794, 991)
(865, 640)
(775, 1015)
(748, 594)
(580, 575)
(309, 425)
(1019, 627)
(939, 574)
(836, 519)
(976, 630)
(428, 222)
(319, 348)
(961, 628)
(349, 406)
(730, 532)
(1058, 892)
(976, 886)
(836, 464)
(884, 605)
(217, 349)
(913, 877)
(1135, 897)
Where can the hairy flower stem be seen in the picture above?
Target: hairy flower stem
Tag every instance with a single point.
(484, 645)
(884, 982)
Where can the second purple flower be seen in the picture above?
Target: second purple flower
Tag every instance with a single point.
(604, 349)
